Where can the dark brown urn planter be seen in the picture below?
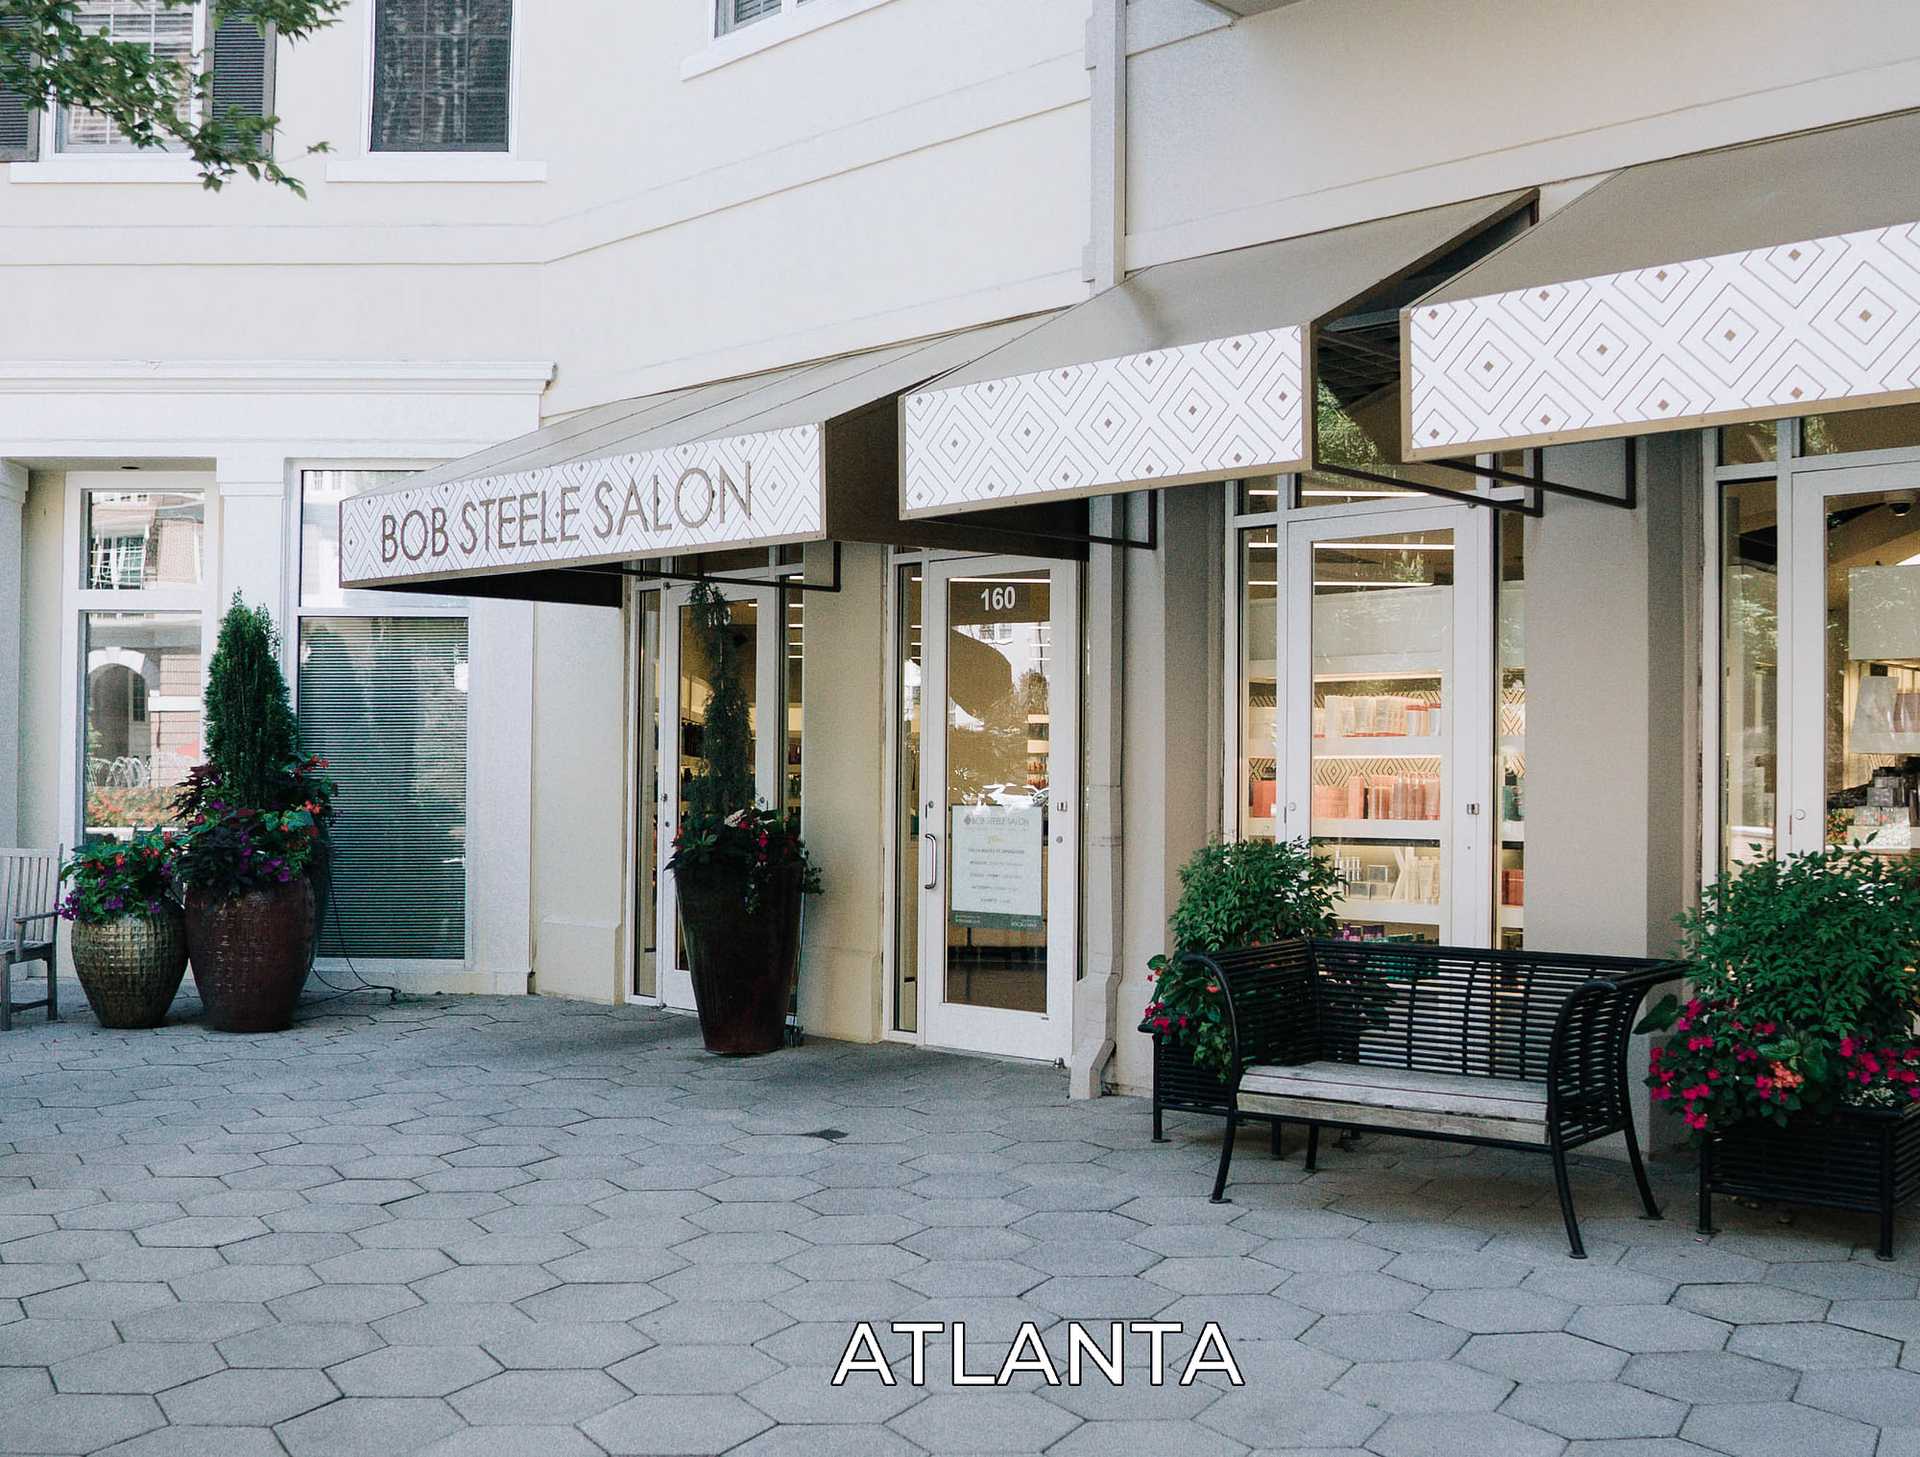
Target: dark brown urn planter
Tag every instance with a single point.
(130, 967)
(251, 954)
(742, 964)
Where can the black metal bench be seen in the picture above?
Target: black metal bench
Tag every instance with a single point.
(1513, 1049)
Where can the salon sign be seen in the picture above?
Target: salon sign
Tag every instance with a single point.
(744, 490)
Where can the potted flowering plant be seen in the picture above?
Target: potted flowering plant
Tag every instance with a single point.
(129, 939)
(256, 818)
(1232, 894)
(1793, 1063)
(740, 870)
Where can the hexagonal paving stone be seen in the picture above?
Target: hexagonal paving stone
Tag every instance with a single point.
(1423, 1386)
(1897, 1319)
(1105, 1438)
(1743, 1304)
(806, 1394)
(541, 1398)
(1496, 1312)
(676, 1425)
(566, 1345)
(368, 1425)
(413, 1371)
(1642, 1328)
(1710, 1376)
(513, 1442)
(293, 1345)
(1550, 1356)
(76, 1424)
(1277, 1417)
(1814, 1346)
(985, 1421)
(1594, 1410)
(1883, 1397)
(694, 1370)
(136, 1367)
(247, 1398)
(1777, 1429)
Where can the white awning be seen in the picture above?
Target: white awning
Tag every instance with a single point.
(1774, 279)
(1190, 371)
(806, 453)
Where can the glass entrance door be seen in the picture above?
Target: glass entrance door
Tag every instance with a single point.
(999, 791)
(1852, 660)
(685, 685)
(1386, 734)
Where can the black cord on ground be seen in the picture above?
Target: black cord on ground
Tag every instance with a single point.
(393, 992)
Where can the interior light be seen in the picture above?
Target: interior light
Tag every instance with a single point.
(1383, 546)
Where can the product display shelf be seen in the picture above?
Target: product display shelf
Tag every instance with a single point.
(1422, 830)
(1380, 746)
(1391, 912)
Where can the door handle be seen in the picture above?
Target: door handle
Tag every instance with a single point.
(933, 862)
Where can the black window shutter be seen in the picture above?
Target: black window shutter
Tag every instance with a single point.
(19, 122)
(242, 68)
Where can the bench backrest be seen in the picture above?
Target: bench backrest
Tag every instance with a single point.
(29, 886)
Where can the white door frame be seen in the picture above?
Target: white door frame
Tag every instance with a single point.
(1469, 802)
(1809, 489)
(674, 983)
(1049, 1036)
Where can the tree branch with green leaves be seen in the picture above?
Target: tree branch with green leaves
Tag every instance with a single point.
(50, 54)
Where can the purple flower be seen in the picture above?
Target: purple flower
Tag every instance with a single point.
(114, 903)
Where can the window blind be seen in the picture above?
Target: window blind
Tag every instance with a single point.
(442, 75)
(19, 123)
(735, 13)
(383, 700)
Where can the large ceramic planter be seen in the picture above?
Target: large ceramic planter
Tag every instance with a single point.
(1861, 1159)
(251, 954)
(131, 967)
(742, 964)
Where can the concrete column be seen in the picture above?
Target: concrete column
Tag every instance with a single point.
(1102, 804)
(13, 500)
(254, 532)
(1173, 740)
(843, 814)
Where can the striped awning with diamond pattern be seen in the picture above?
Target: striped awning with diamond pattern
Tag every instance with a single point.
(1774, 279)
(1198, 370)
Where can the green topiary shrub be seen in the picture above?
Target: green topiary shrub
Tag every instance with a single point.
(251, 736)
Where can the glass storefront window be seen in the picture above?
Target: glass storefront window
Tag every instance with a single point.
(1382, 652)
(906, 962)
(1894, 428)
(796, 716)
(1750, 444)
(1259, 703)
(1510, 734)
(141, 710)
(143, 539)
(646, 970)
(1750, 670)
(321, 492)
(384, 701)
(1873, 670)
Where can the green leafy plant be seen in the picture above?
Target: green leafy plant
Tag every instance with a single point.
(723, 823)
(110, 879)
(229, 849)
(1804, 993)
(251, 736)
(1233, 894)
(49, 51)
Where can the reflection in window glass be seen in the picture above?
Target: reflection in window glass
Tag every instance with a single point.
(139, 539)
(162, 29)
(1749, 444)
(1894, 428)
(1873, 669)
(646, 831)
(321, 492)
(142, 713)
(796, 716)
(1750, 670)
(1510, 727)
(1259, 620)
(384, 701)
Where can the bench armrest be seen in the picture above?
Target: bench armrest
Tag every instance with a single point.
(1269, 992)
(1587, 1061)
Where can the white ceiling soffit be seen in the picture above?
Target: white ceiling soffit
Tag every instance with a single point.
(1189, 371)
(731, 464)
(1240, 9)
(1778, 278)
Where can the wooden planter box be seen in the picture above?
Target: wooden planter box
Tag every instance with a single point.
(1860, 1159)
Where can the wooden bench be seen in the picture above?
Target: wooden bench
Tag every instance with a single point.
(29, 890)
(1514, 1049)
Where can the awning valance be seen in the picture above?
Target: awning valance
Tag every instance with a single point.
(1190, 371)
(806, 453)
(1774, 279)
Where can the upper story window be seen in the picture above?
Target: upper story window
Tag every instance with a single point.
(730, 15)
(442, 75)
(171, 32)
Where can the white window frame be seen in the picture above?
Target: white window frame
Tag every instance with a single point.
(52, 119)
(397, 605)
(795, 18)
(77, 601)
(433, 166)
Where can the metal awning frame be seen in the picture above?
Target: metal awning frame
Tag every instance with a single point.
(1151, 542)
(795, 583)
(1533, 504)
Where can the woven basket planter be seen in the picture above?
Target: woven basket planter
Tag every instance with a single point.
(1861, 1158)
(131, 967)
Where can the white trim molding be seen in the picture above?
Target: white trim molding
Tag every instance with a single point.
(791, 23)
(117, 168)
(416, 167)
(271, 376)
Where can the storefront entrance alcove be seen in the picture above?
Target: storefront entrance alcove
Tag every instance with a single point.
(986, 803)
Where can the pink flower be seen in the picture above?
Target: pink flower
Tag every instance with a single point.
(1846, 1046)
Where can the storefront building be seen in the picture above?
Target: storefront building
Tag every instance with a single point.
(1513, 501)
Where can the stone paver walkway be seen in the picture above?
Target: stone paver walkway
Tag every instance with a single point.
(526, 1227)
